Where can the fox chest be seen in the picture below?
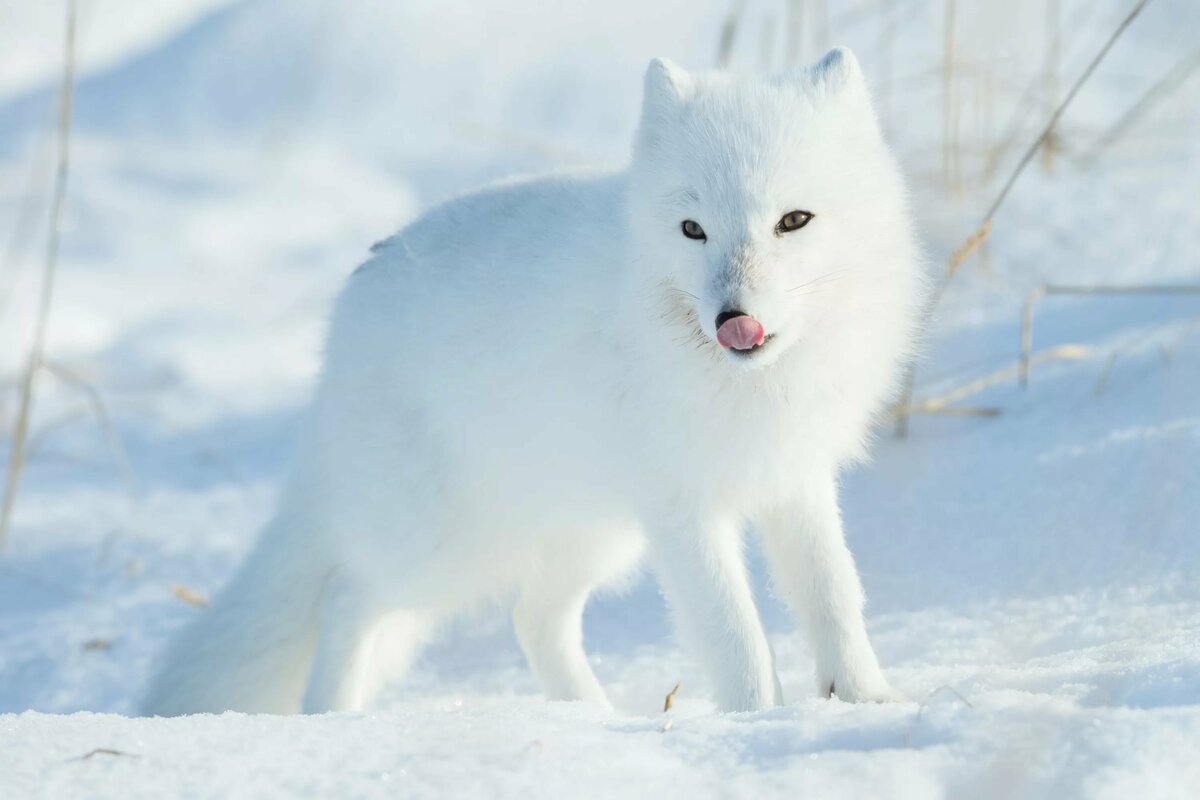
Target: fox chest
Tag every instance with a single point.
(730, 453)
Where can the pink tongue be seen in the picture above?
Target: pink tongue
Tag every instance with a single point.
(741, 333)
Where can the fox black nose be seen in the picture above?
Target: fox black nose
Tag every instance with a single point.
(729, 314)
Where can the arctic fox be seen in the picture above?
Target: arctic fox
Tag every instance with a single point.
(533, 388)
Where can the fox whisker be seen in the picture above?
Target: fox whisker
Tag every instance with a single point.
(836, 274)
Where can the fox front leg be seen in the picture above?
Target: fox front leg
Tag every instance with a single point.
(814, 573)
(702, 572)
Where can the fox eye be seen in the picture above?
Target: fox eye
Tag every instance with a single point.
(792, 221)
(692, 230)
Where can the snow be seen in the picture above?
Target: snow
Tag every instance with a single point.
(1032, 576)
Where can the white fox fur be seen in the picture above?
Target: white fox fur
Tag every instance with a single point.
(523, 392)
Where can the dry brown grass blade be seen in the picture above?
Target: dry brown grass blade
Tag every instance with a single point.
(950, 411)
(669, 702)
(1159, 91)
(909, 380)
(1048, 130)
(1097, 289)
(1064, 352)
(794, 32)
(21, 427)
(886, 45)
(969, 246)
(25, 219)
(99, 410)
(729, 32)
(1053, 56)
(949, 106)
(189, 595)
(940, 690)
(941, 403)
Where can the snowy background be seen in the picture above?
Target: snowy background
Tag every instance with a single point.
(1033, 575)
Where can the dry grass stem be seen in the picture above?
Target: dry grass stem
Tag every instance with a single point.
(794, 42)
(189, 595)
(949, 411)
(941, 404)
(729, 32)
(1050, 76)
(669, 703)
(1062, 107)
(99, 410)
(1102, 381)
(766, 43)
(26, 218)
(969, 246)
(1165, 351)
(1048, 289)
(909, 380)
(925, 702)
(887, 50)
(900, 410)
(1011, 131)
(1159, 91)
(821, 27)
(46, 430)
(24, 408)
(949, 112)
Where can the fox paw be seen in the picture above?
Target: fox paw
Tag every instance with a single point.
(876, 691)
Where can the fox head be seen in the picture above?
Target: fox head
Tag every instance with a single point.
(761, 207)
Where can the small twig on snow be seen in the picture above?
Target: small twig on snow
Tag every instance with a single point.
(103, 751)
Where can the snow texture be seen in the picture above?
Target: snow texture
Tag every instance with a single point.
(1031, 576)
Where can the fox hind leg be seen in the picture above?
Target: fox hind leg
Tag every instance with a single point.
(548, 616)
(396, 643)
(347, 618)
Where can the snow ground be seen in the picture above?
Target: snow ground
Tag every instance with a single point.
(1032, 576)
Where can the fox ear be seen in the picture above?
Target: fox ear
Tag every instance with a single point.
(837, 71)
(666, 85)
